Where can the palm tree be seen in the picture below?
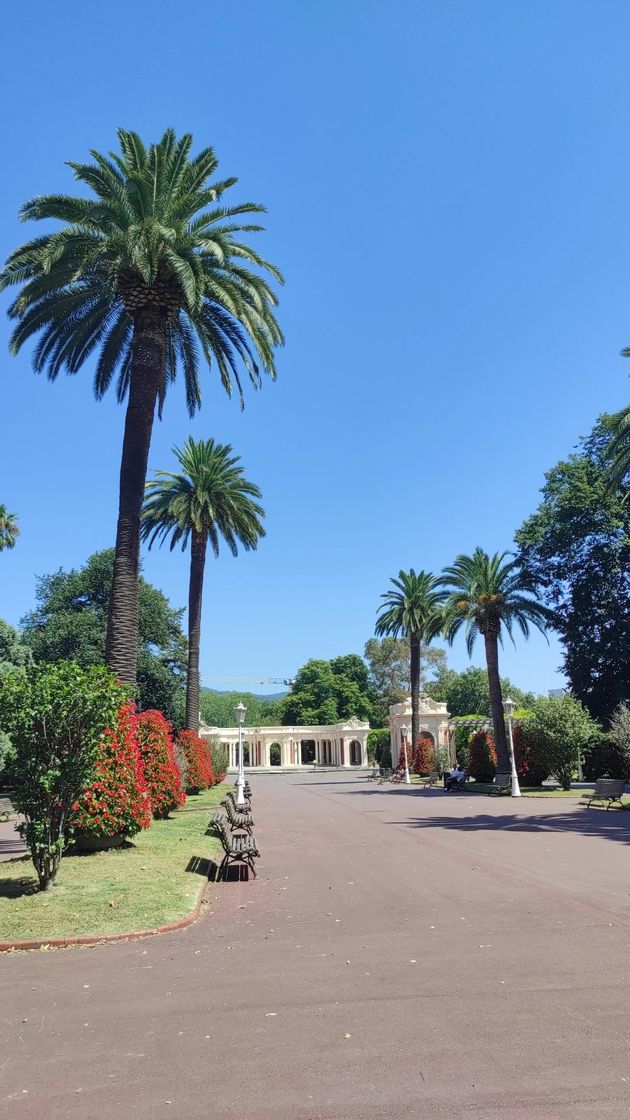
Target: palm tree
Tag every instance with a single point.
(9, 531)
(151, 275)
(618, 450)
(208, 500)
(412, 609)
(486, 594)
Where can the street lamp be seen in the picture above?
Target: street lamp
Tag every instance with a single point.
(509, 707)
(239, 712)
(403, 732)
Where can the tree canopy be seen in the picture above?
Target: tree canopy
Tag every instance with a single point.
(389, 676)
(329, 691)
(468, 693)
(217, 708)
(577, 544)
(70, 623)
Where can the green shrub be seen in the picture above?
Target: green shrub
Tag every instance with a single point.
(55, 716)
(532, 765)
(604, 758)
(558, 731)
(220, 760)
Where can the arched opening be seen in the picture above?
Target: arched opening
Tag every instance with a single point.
(275, 754)
(246, 755)
(355, 753)
(307, 751)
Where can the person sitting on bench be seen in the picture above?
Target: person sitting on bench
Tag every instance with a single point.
(455, 778)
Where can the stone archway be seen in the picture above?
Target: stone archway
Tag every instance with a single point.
(275, 754)
(355, 753)
(307, 751)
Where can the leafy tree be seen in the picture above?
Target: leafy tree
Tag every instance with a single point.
(388, 670)
(558, 730)
(70, 623)
(378, 740)
(147, 272)
(412, 609)
(55, 716)
(323, 693)
(489, 594)
(577, 547)
(469, 692)
(208, 501)
(13, 649)
(9, 531)
(217, 708)
(619, 449)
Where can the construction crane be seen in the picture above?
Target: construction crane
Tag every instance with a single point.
(288, 681)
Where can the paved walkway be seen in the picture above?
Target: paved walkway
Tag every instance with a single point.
(404, 955)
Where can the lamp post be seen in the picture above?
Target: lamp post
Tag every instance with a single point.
(403, 732)
(509, 707)
(239, 712)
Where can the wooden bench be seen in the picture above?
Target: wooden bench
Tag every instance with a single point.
(375, 773)
(236, 849)
(385, 774)
(606, 789)
(246, 807)
(502, 784)
(432, 779)
(236, 817)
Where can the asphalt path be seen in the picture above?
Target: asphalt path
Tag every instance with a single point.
(404, 954)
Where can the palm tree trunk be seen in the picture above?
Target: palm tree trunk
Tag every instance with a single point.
(147, 375)
(414, 668)
(504, 764)
(195, 595)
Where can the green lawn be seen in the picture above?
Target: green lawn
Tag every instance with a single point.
(152, 881)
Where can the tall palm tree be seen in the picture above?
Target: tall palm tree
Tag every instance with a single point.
(9, 531)
(151, 275)
(210, 499)
(412, 609)
(487, 594)
(619, 450)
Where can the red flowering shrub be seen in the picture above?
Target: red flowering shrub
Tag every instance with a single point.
(423, 759)
(116, 800)
(194, 762)
(482, 758)
(155, 738)
(531, 766)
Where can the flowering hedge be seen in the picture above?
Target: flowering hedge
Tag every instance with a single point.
(482, 758)
(423, 757)
(116, 800)
(155, 738)
(194, 762)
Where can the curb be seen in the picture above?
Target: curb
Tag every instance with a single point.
(100, 939)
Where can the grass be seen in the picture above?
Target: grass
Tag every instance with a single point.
(153, 880)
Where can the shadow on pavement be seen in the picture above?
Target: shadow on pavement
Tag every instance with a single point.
(586, 822)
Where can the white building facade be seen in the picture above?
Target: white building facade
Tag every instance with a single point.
(434, 724)
(292, 748)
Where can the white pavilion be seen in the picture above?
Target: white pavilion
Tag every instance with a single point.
(338, 744)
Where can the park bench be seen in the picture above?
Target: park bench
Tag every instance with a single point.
(236, 817)
(385, 775)
(432, 779)
(606, 789)
(375, 773)
(236, 849)
(502, 784)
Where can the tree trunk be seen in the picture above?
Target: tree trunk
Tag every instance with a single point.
(147, 375)
(504, 765)
(414, 669)
(195, 595)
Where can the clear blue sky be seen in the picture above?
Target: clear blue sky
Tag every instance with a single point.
(448, 186)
